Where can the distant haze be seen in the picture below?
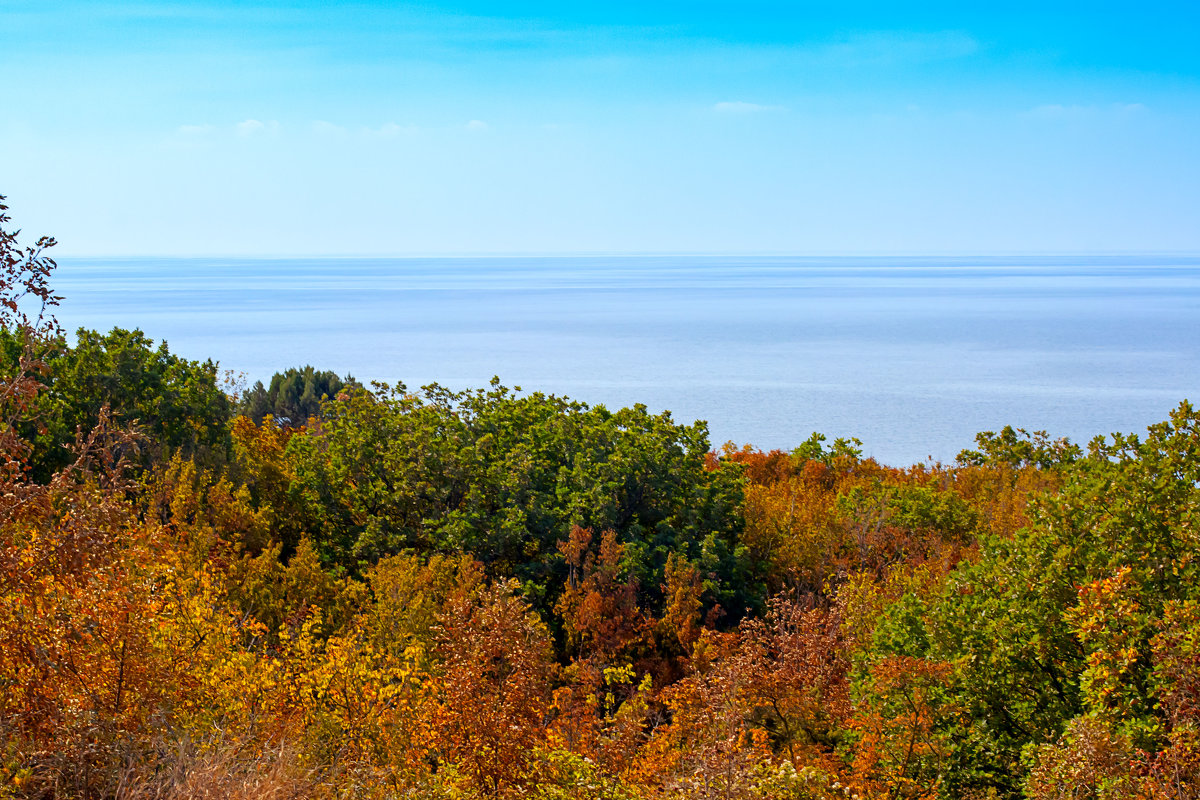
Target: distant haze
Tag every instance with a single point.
(912, 356)
(307, 128)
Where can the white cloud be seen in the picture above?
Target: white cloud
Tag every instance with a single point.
(323, 128)
(194, 131)
(477, 125)
(192, 137)
(1061, 111)
(249, 127)
(879, 48)
(742, 107)
(389, 130)
(252, 127)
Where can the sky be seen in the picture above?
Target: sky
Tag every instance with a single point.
(807, 128)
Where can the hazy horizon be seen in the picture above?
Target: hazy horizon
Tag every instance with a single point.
(913, 356)
(891, 256)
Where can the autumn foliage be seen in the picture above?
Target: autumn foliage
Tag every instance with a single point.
(488, 594)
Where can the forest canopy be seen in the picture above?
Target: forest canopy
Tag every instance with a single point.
(322, 589)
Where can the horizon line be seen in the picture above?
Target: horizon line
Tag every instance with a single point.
(584, 254)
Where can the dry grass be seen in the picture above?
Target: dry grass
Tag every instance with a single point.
(221, 773)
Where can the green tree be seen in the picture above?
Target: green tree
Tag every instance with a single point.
(505, 477)
(294, 396)
(1018, 448)
(174, 401)
(1059, 619)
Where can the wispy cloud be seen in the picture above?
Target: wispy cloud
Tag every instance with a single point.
(322, 128)
(477, 125)
(210, 135)
(253, 127)
(390, 130)
(1075, 111)
(892, 47)
(742, 107)
(249, 127)
(193, 137)
(194, 131)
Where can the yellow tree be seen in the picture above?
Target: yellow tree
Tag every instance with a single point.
(494, 689)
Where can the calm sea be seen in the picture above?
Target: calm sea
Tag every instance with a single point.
(911, 355)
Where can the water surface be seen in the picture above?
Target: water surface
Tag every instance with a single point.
(911, 355)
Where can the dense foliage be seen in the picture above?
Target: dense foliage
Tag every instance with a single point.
(175, 402)
(346, 592)
(294, 396)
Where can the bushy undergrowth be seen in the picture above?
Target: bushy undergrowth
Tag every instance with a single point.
(495, 595)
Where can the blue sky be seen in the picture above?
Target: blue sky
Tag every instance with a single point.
(203, 128)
